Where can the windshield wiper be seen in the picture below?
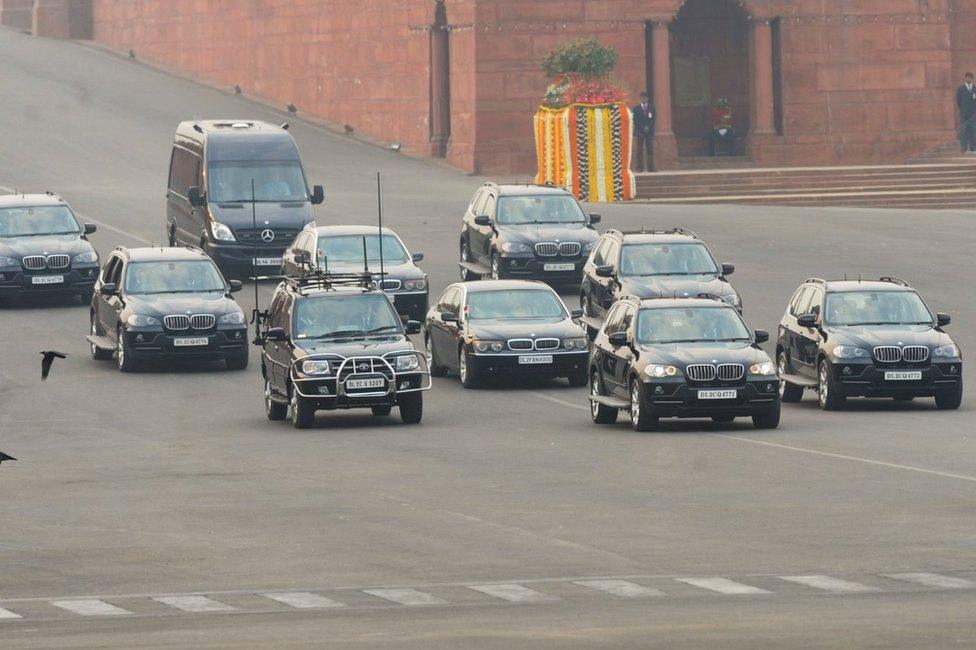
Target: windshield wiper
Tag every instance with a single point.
(739, 338)
(384, 328)
(338, 333)
(148, 293)
(682, 341)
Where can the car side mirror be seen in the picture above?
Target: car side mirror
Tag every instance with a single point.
(482, 220)
(195, 196)
(449, 317)
(728, 269)
(90, 228)
(108, 289)
(595, 218)
(943, 319)
(275, 334)
(604, 271)
(417, 257)
(413, 327)
(761, 336)
(576, 314)
(807, 320)
(235, 286)
(318, 194)
(618, 339)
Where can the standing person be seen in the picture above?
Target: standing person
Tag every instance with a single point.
(966, 103)
(721, 127)
(644, 118)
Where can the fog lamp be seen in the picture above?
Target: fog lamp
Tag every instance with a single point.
(952, 369)
(846, 370)
(140, 337)
(404, 384)
(323, 390)
(658, 390)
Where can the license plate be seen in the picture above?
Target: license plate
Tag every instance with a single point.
(902, 375)
(48, 279)
(191, 342)
(267, 261)
(559, 267)
(375, 382)
(534, 359)
(717, 394)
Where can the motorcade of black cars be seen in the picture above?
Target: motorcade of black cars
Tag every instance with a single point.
(333, 341)
(848, 338)
(43, 248)
(154, 304)
(354, 249)
(672, 263)
(525, 231)
(681, 358)
(500, 328)
(216, 168)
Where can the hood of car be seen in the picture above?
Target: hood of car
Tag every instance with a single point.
(518, 328)
(164, 304)
(669, 286)
(267, 215)
(374, 346)
(43, 245)
(684, 354)
(406, 271)
(547, 232)
(871, 336)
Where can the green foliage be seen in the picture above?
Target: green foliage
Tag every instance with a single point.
(584, 57)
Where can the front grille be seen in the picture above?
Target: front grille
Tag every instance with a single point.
(519, 344)
(569, 249)
(365, 366)
(731, 371)
(203, 321)
(547, 249)
(282, 236)
(915, 353)
(700, 372)
(58, 261)
(35, 262)
(546, 344)
(176, 322)
(887, 353)
(391, 285)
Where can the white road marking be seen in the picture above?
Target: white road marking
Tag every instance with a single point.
(621, 588)
(90, 607)
(827, 583)
(304, 600)
(409, 597)
(6, 613)
(723, 586)
(933, 580)
(555, 400)
(194, 603)
(513, 593)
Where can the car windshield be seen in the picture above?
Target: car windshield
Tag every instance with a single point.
(185, 276)
(343, 316)
(690, 325)
(515, 304)
(349, 249)
(516, 210)
(876, 308)
(230, 181)
(666, 259)
(37, 220)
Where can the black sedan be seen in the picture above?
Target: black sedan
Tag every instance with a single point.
(43, 248)
(504, 327)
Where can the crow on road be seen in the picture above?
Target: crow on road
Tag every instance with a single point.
(4, 457)
(49, 356)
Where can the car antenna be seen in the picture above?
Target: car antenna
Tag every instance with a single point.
(859, 278)
(379, 212)
(254, 224)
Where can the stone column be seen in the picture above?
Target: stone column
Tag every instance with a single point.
(440, 83)
(762, 77)
(665, 145)
(16, 13)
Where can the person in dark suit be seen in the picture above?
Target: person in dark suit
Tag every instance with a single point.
(966, 103)
(644, 118)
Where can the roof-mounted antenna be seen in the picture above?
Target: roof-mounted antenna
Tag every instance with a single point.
(858, 278)
(197, 128)
(379, 207)
(845, 277)
(285, 125)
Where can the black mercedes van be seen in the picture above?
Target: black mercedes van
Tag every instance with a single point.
(216, 168)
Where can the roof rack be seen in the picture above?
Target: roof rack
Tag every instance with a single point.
(711, 296)
(893, 280)
(814, 281)
(53, 195)
(677, 230)
(318, 280)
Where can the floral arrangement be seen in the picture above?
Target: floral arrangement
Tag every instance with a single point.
(580, 73)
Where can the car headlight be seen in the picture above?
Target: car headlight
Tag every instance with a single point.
(221, 232)
(658, 370)
(316, 367)
(733, 299)
(763, 368)
(946, 351)
(233, 318)
(407, 362)
(577, 344)
(141, 320)
(414, 285)
(9, 261)
(484, 346)
(515, 247)
(88, 257)
(850, 352)
(588, 246)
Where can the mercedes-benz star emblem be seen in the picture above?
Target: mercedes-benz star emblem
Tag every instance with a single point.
(267, 235)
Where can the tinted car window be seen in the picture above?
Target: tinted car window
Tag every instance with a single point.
(666, 259)
(184, 171)
(539, 209)
(678, 325)
(37, 220)
(600, 252)
(273, 181)
(803, 302)
(614, 320)
(516, 304)
(795, 301)
(478, 202)
(876, 308)
(173, 277)
(338, 316)
(349, 249)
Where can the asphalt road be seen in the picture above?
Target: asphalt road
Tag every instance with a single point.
(154, 496)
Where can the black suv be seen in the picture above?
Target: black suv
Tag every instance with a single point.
(352, 249)
(652, 264)
(334, 341)
(690, 357)
(525, 231)
(846, 338)
(166, 303)
(43, 249)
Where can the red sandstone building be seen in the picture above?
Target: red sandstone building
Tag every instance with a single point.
(812, 82)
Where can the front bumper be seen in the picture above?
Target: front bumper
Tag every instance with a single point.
(563, 363)
(328, 392)
(234, 257)
(680, 400)
(868, 380)
(530, 266)
(17, 282)
(221, 344)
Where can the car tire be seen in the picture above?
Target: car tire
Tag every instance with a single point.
(496, 267)
(949, 400)
(578, 379)
(641, 415)
(469, 378)
(829, 393)
(98, 353)
(787, 392)
(601, 414)
(302, 413)
(381, 410)
(123, 357)
(86, 296)
(723, 419)
(767, 420)
(276, 411)
(411, 407)
(436, 370)
(466, 275)
(238, 361)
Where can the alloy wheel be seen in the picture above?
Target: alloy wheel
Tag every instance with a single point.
(496, 271)
(595, 392)
(94, 332)
(822, 389)
(462, 367)
(635, 405)
(781, 369)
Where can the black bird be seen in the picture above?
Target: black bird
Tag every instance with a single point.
(132, 54)
(292, 108)
(237, 89)
(49, 356)
(4, 457)
(348, 129)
